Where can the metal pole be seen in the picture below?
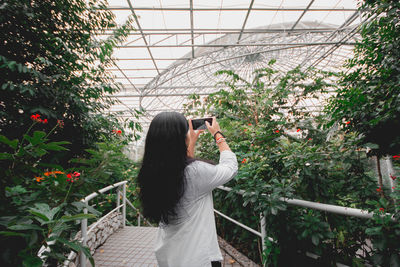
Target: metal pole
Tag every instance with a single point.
(390, 172)
(138, 219)
(263, 231)
(118, 196)
(124, 205)
(84, 235)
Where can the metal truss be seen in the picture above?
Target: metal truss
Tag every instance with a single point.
(162, 82)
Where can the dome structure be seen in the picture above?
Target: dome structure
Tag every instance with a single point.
(316, 33)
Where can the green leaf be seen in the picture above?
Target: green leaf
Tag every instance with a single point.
(315, 240)
(32, 261)
(4, 156)
(15, 190)
(55, 146)
(37, 138)
(77, 247)
(21, 227)
(13, 144)
(43, 211)
(8, 233)
(374, 230)
(372, 145)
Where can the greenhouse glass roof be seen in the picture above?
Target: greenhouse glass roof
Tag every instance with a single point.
(178, 45)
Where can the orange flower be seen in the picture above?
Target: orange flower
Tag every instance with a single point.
(39, 179)
(244, 160)
(53, 173)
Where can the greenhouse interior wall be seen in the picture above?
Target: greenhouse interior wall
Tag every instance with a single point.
(306, 94)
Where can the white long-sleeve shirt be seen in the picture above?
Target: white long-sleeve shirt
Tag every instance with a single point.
(190, 238)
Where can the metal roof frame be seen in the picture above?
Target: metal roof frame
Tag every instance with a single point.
(161, 82)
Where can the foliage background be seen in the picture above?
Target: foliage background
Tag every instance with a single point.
(287, 151)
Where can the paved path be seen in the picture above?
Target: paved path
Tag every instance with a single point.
(133, 247)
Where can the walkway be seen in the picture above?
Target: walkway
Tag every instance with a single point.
(133, 246)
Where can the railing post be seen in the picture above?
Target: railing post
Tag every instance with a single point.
(391, 173)
(84, 235)
(118, 197)
(263, 232)
(124, 205)
(138, 219)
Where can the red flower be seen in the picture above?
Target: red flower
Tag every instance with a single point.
(393, 177)
(309, 139)
(244, 160)
(396, 157)
(36, 118)
(379, 189)
(277, 131)
(381, 209)
(119, 132)
(72, 177)
(249, 124)
(298, 130)
(347, 122)
(393, 187)
(244, 130)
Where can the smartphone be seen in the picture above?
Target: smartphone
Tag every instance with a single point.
(200, 124)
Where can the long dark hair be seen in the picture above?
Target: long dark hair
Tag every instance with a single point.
(161, 177)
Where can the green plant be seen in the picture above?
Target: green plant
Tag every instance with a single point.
(41, 206)
(385, 231)
(285, 150)
(53, 64)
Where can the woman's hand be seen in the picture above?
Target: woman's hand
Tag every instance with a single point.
(192, 136)
(214, 127)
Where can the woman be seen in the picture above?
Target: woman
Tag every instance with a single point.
(175, 190)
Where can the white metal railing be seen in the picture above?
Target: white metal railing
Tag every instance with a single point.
(295, 202)
(301, 203)
(84, 228)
